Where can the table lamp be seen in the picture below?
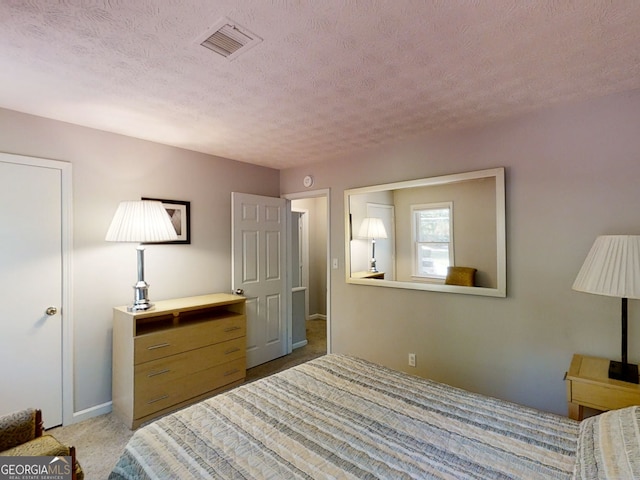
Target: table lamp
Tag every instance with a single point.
(372, 227)
(612, 268)
(141, 221)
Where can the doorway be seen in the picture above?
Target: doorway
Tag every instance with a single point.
(318, 320)
(311, 265)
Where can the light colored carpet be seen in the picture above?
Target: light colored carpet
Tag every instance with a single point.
(100, 441)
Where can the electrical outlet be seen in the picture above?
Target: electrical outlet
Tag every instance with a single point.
(412, 359)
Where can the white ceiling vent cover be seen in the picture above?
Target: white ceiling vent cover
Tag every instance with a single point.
(229, 39)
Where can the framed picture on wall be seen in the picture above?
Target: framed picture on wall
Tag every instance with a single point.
(180, 214)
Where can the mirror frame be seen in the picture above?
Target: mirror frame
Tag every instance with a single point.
(501, 247)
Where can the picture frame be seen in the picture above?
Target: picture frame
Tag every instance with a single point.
(180, 213)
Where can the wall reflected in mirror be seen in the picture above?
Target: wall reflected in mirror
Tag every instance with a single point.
(431, 224)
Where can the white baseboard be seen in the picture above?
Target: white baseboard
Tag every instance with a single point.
(317, 316)
(302, 343)
(92, 412)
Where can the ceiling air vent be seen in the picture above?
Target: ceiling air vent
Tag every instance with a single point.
(229, 39)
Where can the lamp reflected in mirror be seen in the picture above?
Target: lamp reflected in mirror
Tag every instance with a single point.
(372, 228)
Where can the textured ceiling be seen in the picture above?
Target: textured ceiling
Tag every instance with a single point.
(330, 77)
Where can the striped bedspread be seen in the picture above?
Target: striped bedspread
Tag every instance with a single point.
(344, 418)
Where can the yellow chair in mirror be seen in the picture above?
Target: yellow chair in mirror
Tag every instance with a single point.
(464, 276)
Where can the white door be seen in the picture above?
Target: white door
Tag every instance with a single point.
(259, 231)
(31, 282)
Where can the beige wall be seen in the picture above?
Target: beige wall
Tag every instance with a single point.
(107, 169)
(571, 174)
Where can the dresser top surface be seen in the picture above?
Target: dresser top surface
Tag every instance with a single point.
(588, 369)
(185, 304)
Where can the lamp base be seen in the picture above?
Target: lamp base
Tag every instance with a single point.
(140, 297)
(139, 308)
(627, 372)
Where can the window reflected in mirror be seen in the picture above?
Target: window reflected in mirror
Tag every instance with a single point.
(432, 232)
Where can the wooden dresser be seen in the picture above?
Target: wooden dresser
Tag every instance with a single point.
(176, 353)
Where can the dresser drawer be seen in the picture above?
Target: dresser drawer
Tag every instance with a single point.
(170, 368)
(166, 394)
(152, 346)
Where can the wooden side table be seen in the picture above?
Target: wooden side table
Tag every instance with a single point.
(589, 385)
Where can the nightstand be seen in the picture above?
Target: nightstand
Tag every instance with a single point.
(589, 385)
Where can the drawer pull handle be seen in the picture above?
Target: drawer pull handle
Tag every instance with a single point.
(159, 372)
(157, 399)
(231, 329)
(160, 345)
(231, 372)
(231, 350)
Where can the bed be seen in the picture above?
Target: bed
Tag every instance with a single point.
(343, 417)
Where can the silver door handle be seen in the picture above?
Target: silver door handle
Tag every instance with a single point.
(51, 311)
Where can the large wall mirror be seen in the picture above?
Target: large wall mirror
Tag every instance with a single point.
(444, 234)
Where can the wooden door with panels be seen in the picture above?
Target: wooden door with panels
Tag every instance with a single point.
(259, 269)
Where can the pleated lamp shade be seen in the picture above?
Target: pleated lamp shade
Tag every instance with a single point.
(372, 227)
(612, 267)
(141, 221)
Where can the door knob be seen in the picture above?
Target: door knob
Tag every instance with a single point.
(51, 311)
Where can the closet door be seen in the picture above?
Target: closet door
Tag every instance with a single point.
(31, 285)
